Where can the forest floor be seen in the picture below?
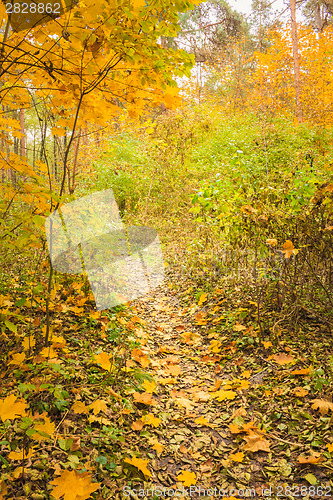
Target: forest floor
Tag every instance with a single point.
(232, 422)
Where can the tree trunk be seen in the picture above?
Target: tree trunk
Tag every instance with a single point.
(23, 132)
(297, 71)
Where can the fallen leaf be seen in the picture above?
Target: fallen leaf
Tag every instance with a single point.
(311, 459)
(322, 405)
(74, 485)
(137, 425)
(237, 457)
(11, 409)
(186, 477)
(144, 398)
(98, 406)
(202, 299)
(271, 241)
(149, 386)
(222, 395)
(300, 392)
(256, 442)
(79, 407)
(140, 464)
(21, 454)
(303, 371)
(282, 359)
(151, 420)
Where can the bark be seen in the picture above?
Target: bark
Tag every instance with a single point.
(297, 71)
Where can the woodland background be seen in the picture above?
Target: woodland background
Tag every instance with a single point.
(216, 130)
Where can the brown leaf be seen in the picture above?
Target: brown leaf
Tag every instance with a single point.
(256, 442)
(322, 405)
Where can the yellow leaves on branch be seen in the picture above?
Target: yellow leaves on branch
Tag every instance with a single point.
(73, 485)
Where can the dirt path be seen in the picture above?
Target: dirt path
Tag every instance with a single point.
(183, 368)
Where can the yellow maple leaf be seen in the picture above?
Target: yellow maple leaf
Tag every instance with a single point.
(144, 398)
(322, 405)
(202, 299)
(237, 457)
(246, 374)
(149, 386)
(21, 454)
(48, 352)
(11, 409)
(186, 477)
(174, 370)
(289, 249)
(330, 447)
(73, 485)
(79, 407)
(140, 464)
(223, 395)
(201, 421)
(151, 420)
(43, 425)
(98, 406)
(103, 359)
(17, 358)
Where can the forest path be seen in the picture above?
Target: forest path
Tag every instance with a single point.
(182, 363)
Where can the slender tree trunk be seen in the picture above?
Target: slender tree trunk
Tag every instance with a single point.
(297, 71)
(23, 132)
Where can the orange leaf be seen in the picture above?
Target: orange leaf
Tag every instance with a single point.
(137, 425)
(303, 371)
(311, 459)
(289, 249)
(282, 359)
(300, 392)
